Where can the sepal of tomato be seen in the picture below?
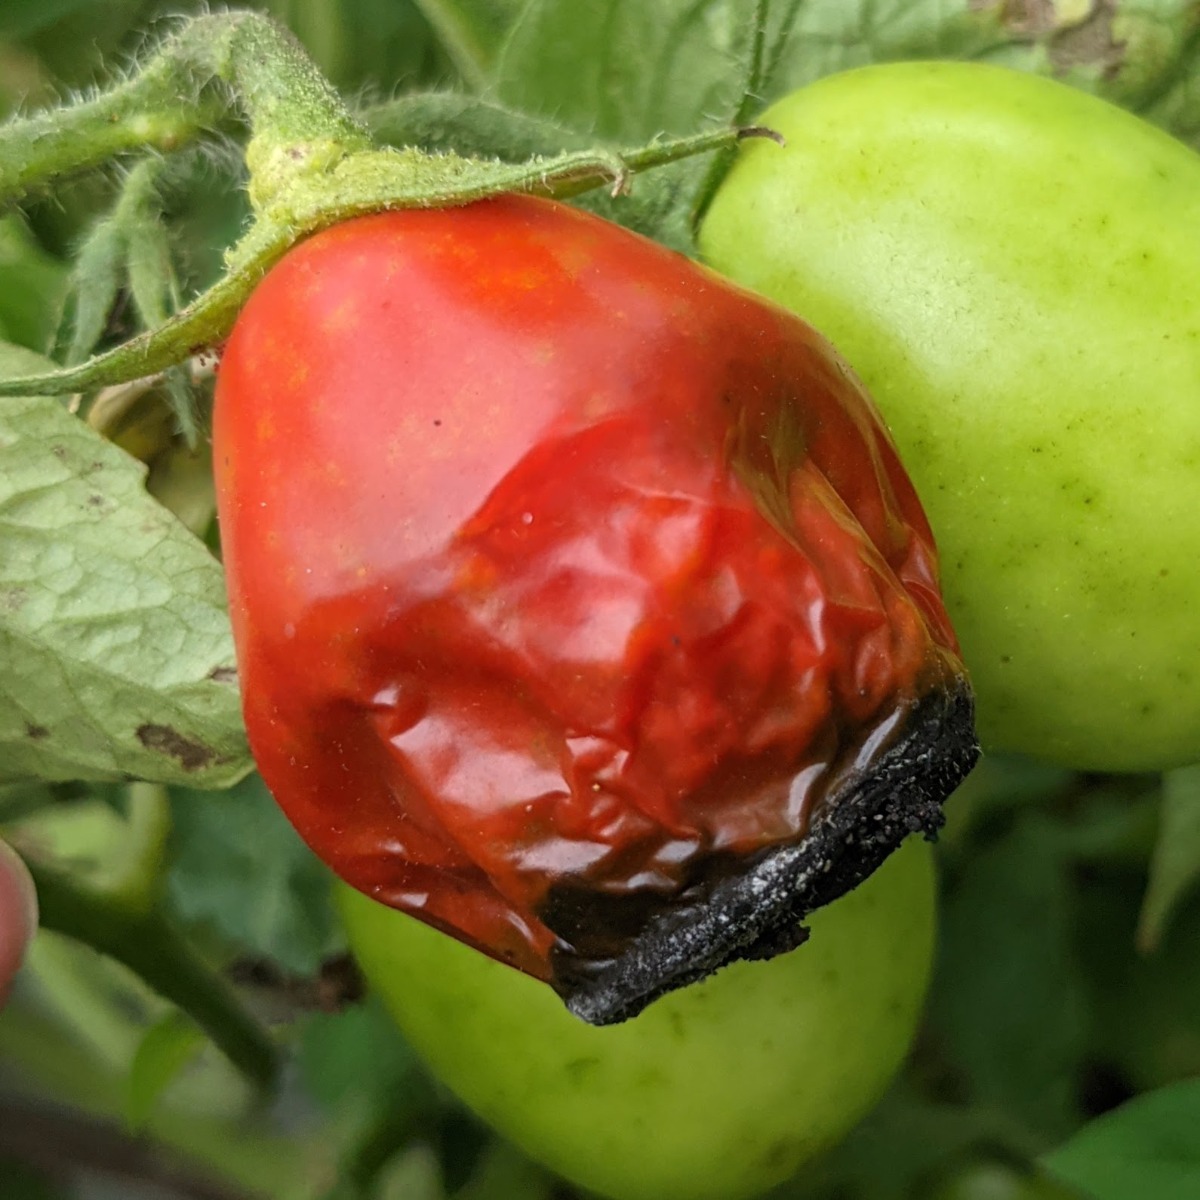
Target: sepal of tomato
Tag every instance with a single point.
(583, 607)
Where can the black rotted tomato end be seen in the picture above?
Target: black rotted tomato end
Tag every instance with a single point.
(757, 912)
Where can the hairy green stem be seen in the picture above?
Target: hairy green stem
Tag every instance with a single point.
(312, 164)
(146, 942)
(757, 74)
(361, 183)
(298, 121)
(147, 112)
(136, 876)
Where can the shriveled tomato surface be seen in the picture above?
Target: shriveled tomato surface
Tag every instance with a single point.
(571, 583)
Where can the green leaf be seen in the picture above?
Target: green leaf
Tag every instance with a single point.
(20, 1182)
(1008, 1001)
(631, 70)
(95, 282)
(114, 637)
(835, 35)
(1175, 867)
(628, 69)
(240, 869)
(467, 125)
(19, 18)
(470, 32)
(504, 1172)
(997, 785)
(168, 1046)
(633, 67)
(344, 1055)
(1149, 1149)
(1144, 1009)
(365, 42)
(151, 272)
(1143, 55)
(33, 286)
(901, 1145)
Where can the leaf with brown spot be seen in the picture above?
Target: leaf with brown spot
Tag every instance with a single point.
(115, 649)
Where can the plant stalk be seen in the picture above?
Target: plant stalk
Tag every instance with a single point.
(151, 946)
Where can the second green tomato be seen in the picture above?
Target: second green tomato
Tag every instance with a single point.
(1013, 267)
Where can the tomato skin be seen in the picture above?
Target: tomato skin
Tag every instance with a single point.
(565, 578)
(1011, 266)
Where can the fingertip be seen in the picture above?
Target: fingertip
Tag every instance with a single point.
(18, 913)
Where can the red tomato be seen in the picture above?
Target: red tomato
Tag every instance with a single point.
(582, 605)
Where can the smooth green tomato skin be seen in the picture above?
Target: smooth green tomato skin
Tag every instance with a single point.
(1013, 268)
(715, 1092)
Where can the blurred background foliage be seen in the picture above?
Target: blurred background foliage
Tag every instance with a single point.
(1068, 977)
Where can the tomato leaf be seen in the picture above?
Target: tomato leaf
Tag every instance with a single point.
(632, 71)
(34, 287)
(19, 18)
(835, 35)
(441, 121)
(167, 1048)
(470, 31)
(1175, 867)
(372, 42)
(345, 1055)
(899, 1146)
(1144, 1008)
(1008, 998)
(656, 204)
(23, 1182)
(240, 869)
(629, 70)
(95, 283)
(1143, 56)
(1149, 1149)
(117, 653)
(504, 1172)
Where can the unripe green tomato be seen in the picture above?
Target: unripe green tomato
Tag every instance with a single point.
(1013, 267)
(715, 1092)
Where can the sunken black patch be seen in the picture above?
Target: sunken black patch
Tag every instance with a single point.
(629, 950)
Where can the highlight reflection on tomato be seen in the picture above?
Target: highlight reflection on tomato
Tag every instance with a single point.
(583, 607)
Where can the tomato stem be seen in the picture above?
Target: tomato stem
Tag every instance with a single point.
(118, 921)
(360, 183)
(311, 162)
(298, 122)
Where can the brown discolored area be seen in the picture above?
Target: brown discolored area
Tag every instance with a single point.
(191, 755)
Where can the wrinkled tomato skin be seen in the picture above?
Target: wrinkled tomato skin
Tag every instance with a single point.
(552, 556)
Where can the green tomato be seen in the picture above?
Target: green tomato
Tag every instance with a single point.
(1013, 268)
(715, 1092)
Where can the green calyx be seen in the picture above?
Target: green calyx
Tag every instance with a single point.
(311, 164)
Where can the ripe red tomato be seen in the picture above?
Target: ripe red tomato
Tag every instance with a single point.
(583, 607)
